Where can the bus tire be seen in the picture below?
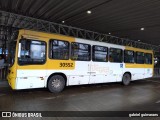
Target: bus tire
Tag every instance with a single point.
(126, 79)
(56, 83)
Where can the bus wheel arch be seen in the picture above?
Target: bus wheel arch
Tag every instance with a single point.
(126, 78)
(56, 82)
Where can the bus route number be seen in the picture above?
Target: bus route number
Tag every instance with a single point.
(66, 64)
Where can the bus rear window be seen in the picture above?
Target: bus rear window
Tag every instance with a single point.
(32, 52)
(128, 56)
(148, 58)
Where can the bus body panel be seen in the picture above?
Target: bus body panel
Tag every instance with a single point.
(31, 78)
(103, 72)
(11, 77)
(82, 72)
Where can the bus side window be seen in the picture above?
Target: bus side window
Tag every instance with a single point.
(115, 55)
(140, 57)
(59, 49)
(128, 56)
(99, 53)
(80, 51)
(74, 55)
(110, 58)
(148, 58)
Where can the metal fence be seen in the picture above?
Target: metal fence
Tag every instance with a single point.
(3, 72)
(156, 72)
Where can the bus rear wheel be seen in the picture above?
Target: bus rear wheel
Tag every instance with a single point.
(56, 84)
(126, 79)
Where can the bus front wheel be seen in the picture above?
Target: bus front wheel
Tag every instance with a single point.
(126, 79)
(56, 84)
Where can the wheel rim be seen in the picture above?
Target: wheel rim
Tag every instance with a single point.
(56, 83)
(126, 78)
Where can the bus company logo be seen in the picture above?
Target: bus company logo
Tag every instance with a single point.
(6, 114)
(100, 69)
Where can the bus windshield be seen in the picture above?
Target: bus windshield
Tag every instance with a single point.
(11, 52)
(31, 52)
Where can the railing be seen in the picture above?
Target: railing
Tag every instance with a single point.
(3, 72)
(156, 72)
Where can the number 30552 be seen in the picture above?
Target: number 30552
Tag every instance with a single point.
(66, 64)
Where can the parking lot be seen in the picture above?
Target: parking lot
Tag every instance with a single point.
(139, 95)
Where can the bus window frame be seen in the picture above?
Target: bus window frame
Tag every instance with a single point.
(136, 57)
(90, 50)
(151, 58)
(49, 52)
(122, 58)
(93, 52)
(32, 63)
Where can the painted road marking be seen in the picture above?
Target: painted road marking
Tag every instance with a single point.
(158, 101)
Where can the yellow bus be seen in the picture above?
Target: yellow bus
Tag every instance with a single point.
(43, 60)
